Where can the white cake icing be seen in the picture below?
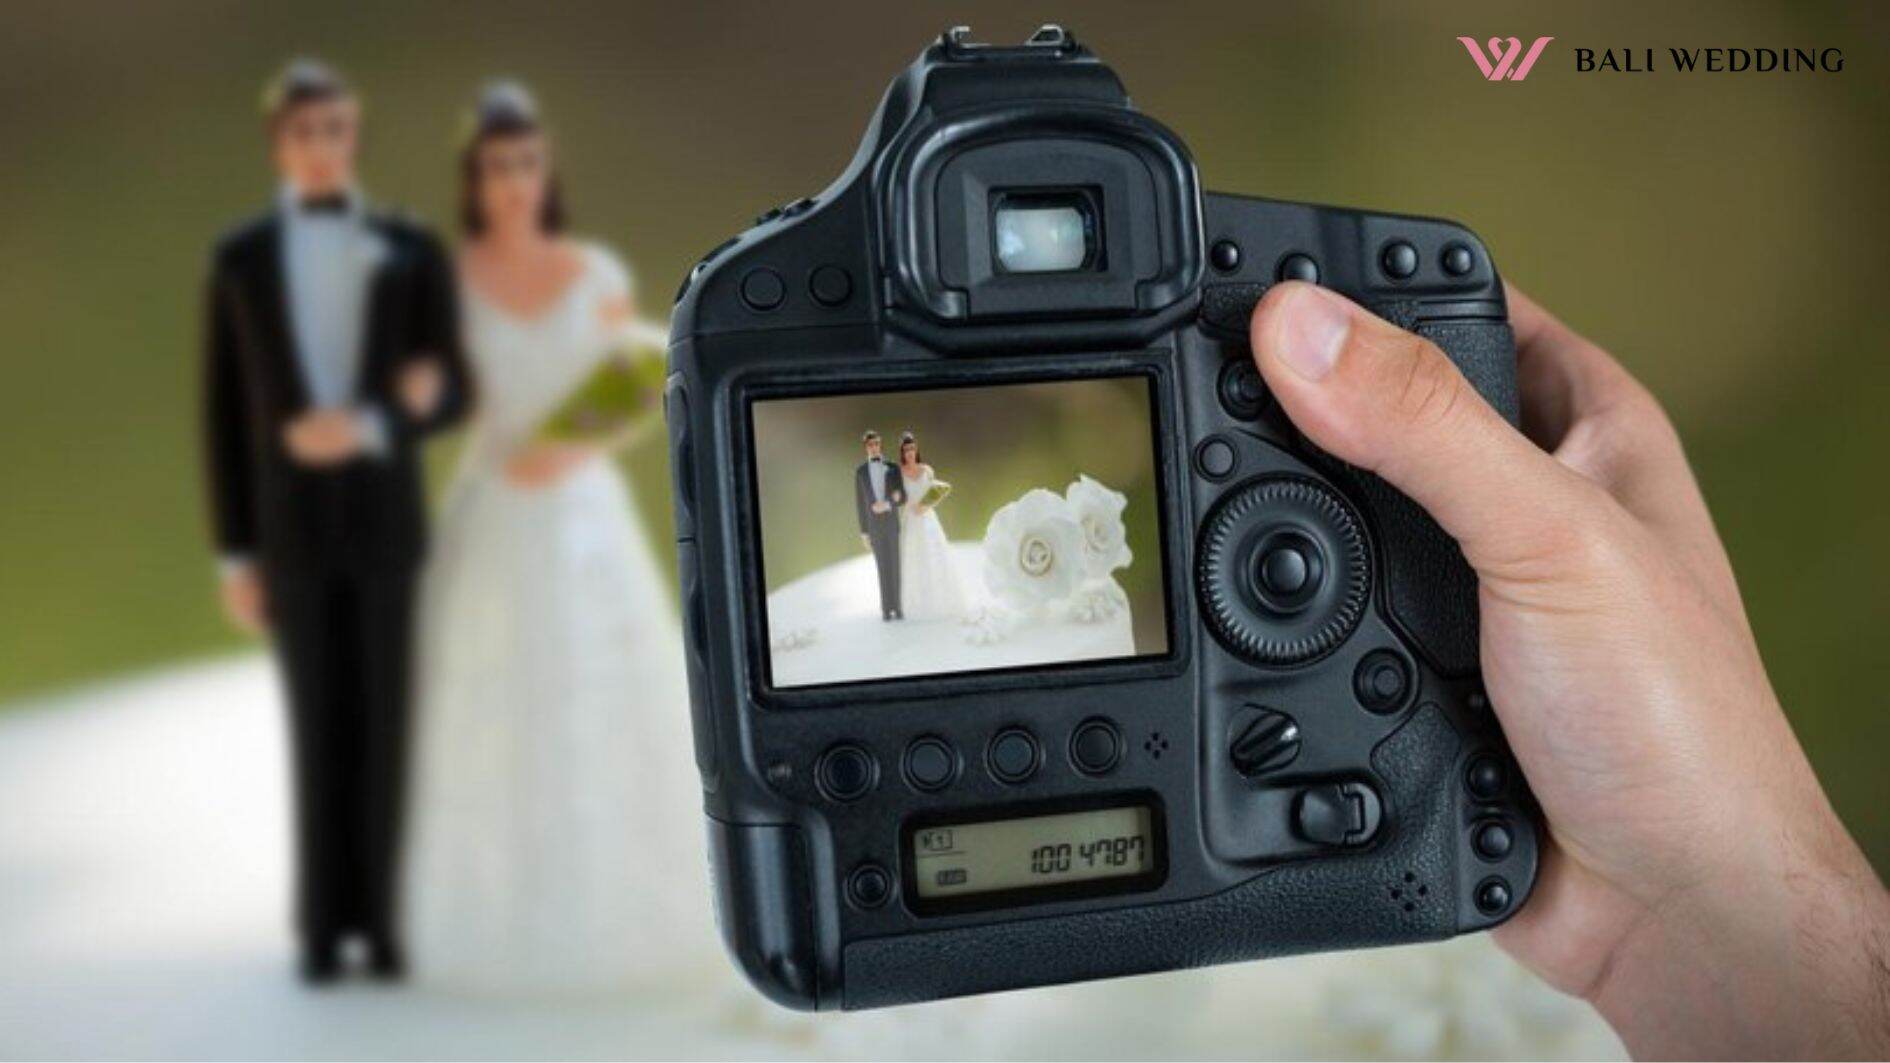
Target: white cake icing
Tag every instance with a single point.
(825, 628)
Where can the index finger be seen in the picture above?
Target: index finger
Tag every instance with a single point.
(1596, 418)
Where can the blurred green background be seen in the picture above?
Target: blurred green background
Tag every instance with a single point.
(991, 444)
(1727, 236)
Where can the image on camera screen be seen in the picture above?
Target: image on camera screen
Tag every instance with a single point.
(954, 530)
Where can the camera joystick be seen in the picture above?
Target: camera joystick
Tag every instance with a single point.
(1283, 571)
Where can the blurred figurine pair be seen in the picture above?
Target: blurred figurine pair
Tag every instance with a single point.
(547, 674)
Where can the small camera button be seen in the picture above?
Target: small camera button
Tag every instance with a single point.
(1285, 571)
(1298, 267)
(869, 886)
(1485, 777)
(1013, 755)
(1243, 393)
(830, 285)
(1458, 260)
(846, 773)
(1225, 254)
(1399, 260)
(1382, 681)
(931, 763)
(762, 289)
(1493, 896)
(1288, 571)
(1096, 746)
(1493, 840)
(1216, 459)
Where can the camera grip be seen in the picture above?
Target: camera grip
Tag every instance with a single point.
(1429, 588)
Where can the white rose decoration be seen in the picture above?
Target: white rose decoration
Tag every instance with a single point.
(1099, 511)
(1033, 551)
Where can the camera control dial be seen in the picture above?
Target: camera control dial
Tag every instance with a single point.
(1283, 571)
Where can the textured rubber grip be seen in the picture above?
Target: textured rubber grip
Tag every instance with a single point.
(1429, 588)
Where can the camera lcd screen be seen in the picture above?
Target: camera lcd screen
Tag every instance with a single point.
(1030, 853)
(955, 530)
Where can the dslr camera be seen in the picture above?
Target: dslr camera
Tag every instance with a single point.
(1028, 642)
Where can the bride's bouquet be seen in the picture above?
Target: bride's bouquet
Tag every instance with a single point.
(621, 401)
(935, 494)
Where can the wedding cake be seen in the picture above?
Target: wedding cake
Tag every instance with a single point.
(1040, 591)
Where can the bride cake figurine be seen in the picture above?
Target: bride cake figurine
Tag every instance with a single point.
(553, 725)
(930, 585)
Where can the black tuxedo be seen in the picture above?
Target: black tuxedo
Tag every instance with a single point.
(338, 547)
(882, 529)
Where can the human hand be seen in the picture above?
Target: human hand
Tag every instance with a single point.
(866, 540)
(921, 509)
(245, 602)
(540, 465)
(324, 438)
(881, 507)
(420, 384)
(1696, 885)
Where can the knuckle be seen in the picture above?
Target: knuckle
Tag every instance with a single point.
(1637, 415)
(1626, 430)
(1586, 536)
(1431, 391)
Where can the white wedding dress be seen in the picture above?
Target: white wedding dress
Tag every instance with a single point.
(930, 586)
(555, 832)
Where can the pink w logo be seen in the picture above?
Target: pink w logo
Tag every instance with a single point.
(1501, 62)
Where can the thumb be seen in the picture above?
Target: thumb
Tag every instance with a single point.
(1391, 402)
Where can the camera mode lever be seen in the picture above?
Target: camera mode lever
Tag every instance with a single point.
(1337, 814)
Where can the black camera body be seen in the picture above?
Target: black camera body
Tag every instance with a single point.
(1306, 762)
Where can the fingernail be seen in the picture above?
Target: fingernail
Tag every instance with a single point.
(1312, 330)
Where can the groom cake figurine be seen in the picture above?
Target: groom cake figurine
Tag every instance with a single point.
(331, 348)
(878, 492)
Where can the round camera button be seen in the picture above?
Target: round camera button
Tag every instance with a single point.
(1458, 260)
(1243, 393)
(1399, 260)
(1284, 571)
(1287, 571)
(846, 773)
(1225, 254)
(1298, 267)
(1492, 896)
(1013, 755)
(1216, 459)
(1096, 746)
(1485, 777)
(830, 285)
(869, 886)
(763, 289)
(931, 763)
(1382, 681)
(1493, 840)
